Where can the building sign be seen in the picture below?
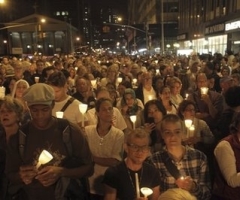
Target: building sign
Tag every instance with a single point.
(16, 50)
(232, 25)
(182, 37)
(215, 28)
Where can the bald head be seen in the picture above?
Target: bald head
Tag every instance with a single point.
(202, 80)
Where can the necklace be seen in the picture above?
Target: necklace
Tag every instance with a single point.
(131, 175)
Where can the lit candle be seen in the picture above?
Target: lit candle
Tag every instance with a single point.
(186, 95)
(76, 68)
(44, 158)
(93, 82)
(150, 97)
(134, 81)
(59, 114)
(157, 71)
(133, 118)
(83, 108)
(191, 129)
(119, 80)
(188, 123)
(182, 178)
(204, 90)
(137, 185)
(36, 79)
(146, 191)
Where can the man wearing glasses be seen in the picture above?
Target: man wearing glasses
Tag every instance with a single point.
(122, 181)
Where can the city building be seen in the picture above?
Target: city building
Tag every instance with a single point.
(39, 34)
(209, 26)
(159, 19)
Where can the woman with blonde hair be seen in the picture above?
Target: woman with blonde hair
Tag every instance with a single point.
(18, 90)
(11, 112)
(112, 72)
(175, 86)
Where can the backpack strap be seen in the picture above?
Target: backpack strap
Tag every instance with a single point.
(64, 127)
(67, 104)
(173, 170)
(22, 134)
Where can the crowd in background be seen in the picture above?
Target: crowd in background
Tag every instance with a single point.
(153, 88)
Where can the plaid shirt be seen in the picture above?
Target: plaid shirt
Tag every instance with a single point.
(193, 164)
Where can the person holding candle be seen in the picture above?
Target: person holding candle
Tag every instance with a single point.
(164, 95)
(181, 166)
(201, 134)
(106, 144)
(129, 106)
(58, 82)
(117, 119)
(124, 181)
(208, 106)
(152, 116)
(43, 133)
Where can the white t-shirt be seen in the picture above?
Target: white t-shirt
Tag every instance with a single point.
(108, 146)
(72, 113)
(118, 120)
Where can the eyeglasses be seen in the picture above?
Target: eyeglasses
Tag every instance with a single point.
(136, 148)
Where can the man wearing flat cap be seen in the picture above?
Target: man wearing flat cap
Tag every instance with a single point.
(71, 159)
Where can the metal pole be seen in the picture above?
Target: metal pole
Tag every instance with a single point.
(147, 36)
(162, 27)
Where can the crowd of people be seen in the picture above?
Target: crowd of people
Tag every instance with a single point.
(167, 123)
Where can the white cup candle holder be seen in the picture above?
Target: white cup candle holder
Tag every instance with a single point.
(36, 79)
(204, 90)
(146, 191)
(188, 123)
(44, 158)
(59, 114)
(93, 83)
(133, 119)
(119, 80)
(83, 108)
